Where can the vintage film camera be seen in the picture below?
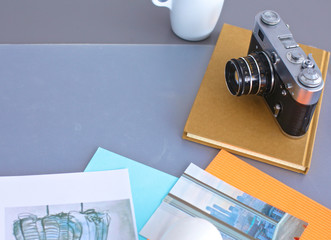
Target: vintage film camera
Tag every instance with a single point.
(277, 69)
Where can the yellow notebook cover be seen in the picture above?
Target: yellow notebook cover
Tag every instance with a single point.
(244, 125)
(245, 177)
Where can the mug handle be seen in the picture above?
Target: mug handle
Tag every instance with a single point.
(166, 3)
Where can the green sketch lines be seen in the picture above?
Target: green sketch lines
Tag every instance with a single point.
(74, 225)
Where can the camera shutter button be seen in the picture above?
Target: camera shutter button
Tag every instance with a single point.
(307, 63)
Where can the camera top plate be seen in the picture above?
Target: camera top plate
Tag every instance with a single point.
(275, 38)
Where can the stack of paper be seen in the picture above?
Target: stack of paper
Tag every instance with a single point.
(241, 201)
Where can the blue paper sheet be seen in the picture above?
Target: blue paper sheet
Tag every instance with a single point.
(148, 185)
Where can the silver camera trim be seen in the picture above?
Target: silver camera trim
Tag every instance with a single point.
(278, 43)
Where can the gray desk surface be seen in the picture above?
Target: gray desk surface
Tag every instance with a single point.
(60, 102)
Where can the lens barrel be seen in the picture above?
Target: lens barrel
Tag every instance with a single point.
(252, 74)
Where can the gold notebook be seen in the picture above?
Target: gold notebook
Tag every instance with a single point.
(244, 125)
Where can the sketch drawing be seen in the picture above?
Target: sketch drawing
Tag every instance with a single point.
(73, 225)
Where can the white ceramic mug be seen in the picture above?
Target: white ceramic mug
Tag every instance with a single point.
(192, 20)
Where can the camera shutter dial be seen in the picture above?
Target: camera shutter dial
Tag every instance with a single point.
(295, 57)
(309, 77)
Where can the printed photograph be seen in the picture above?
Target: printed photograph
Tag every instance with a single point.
(254, 217)
(239, 215)
(110, 220)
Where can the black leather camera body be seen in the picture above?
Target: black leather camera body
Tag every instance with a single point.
(277, 69)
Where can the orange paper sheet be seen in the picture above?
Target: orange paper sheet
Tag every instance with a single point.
(264, 187)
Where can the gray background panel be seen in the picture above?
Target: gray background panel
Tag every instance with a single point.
(60, 102)
(140, 21)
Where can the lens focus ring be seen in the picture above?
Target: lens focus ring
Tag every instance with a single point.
(252, 74)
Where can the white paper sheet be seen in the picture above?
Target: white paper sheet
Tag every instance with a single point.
(77, 204)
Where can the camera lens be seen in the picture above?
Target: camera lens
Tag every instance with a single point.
(252, 74)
